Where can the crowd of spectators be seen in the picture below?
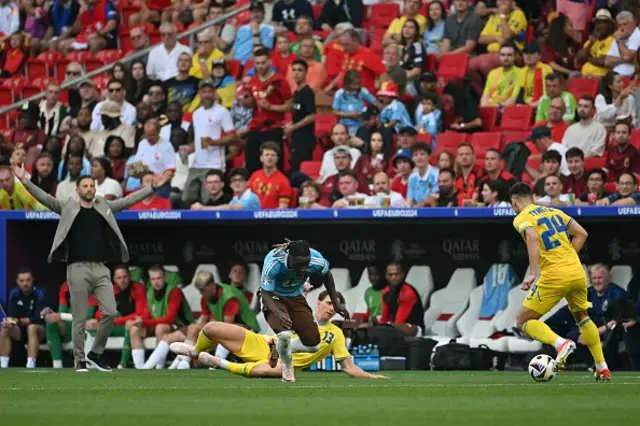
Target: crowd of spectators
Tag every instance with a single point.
(343, 103)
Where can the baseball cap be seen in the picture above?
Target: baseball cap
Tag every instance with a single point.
(389, 89)
(341, 149)
(428, 77)
(31, 109)
(110, 109)
(404, 153)
(219, 62)
(206, 82)
(408, 130)
(370, 111)
(256, 5)
(87, 82)
(539, 132)
(603, 14)
(532, 47)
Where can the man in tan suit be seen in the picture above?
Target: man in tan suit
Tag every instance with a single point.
(88, 237)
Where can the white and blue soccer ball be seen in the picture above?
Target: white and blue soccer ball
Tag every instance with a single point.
(542, 368)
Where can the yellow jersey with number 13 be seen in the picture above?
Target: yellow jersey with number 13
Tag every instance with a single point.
(331, 341)
(559, 262)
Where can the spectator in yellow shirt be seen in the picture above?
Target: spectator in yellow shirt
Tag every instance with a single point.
(203, 60)
(503, 83)
(533, 75)
(13, 194)
(411, 10)
(593, 54)
(508, 25)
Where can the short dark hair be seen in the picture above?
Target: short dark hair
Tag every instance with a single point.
(552, 155)
(214, 172)
(24, 270)
(421, 146)
(468, 145)
(554, 76)
(324, 293)
(270, 146)
(299, 249)
(147, 173)
(430, 96)
(302, 63)
(574, 152)
(497, 151)
(116, 80)
(510, 45)
(157, 268)
(624, 123)
(448, 170)
(552, 176)
(243, 173)
(351, 173)
(81, 178)
(587, 98)
(520, 190)
(263, 51)
(120, 266)
(633, 177)
(598, 171)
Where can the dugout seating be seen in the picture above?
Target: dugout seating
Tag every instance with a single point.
(621, 275)
(355, 296)
(448, 304)
(421, 278)
(342, 278)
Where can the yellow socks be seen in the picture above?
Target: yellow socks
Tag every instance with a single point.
(204, 344)
(591, 338)
(540, 331)
(235, 368)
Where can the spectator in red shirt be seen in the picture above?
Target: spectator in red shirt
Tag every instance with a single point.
(269, 183)
(281, 57)
(374, 159)
(342, 161)
(403, 166)
(401, 304)
(13, 59)
(576, 182)
(623, 156)
(361, 59)
(154, 11)
(555, 122)
(468, 175)
(99, 23)
(152, 202)
(493, 171)
(29, 137)
(272, 99)
(165, 318)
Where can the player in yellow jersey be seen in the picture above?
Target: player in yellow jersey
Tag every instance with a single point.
(547, 233)
(254, 349)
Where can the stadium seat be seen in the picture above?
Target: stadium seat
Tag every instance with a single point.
(469, 321)
(317, 10)
(93, 64)
(293, 201)
(489, 116)
(453, 65)
(504, 322)
(581, 86)
(253, 277)
(355, 295)
(30, 90)
(109, 55)
(192, 296)
(7, 134)
(60, 68)
(516, 117)
(342, 279)
(513, 136)
(172, 275)
(382, 14)
(6, 97)
(101, 81)
(621, 275)
(425, 137)
(421, 278)
(16, 85)
(234, 68)
(449, 141)
(635, 138)
(79, 56)
(448, 304)
(311, 168)
(482, 141)
(594, 163)
(247, 66)
(209, 267)
(36, 68)
(50, 58)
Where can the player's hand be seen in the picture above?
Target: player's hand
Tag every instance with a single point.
(379, 376)
(18, 170)
(307, 287)
(526, 284)
(52, 317)
(163, 178)
(285, 321)
(342, 310)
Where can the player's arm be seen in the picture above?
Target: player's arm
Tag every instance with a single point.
(330, 285)
(533, 248)
(352, 370)
(578, 233)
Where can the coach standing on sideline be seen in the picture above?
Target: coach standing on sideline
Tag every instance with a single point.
(88, 237)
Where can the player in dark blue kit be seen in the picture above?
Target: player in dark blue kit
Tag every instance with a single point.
(24, 321)
(286, 268)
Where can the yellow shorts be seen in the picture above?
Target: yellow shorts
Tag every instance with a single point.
(254, 348)
(543, 297)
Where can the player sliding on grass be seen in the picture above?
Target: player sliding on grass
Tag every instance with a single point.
(254, 349)
(546, 232)
(285, 270)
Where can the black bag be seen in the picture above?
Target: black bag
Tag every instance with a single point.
(483, 358)
(452, 356)
(515, 156)
(419, 351)
(389, 339)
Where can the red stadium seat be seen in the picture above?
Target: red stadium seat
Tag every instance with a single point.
(247, 66)
(454, 65)
(30, 90)
(425, 137)
(7, 134)
(635, 138)
(80, 56)
(318, 152)
(16, 85)
(6, 96)
(449, 141)
(432, 63)
(610, 187)
(382, 14)
(516, 117)
(50, 58)
(234, 68)
(377, 34)
(10, 119)
(377, 47)
(126, 13)
(293, 202)
(581, 86)
(424, 9)
(101, 81)
(317, 9)
(594, 163)
(311, 168)
(93, 64)
(482, 141)
(513, 136)
(489, 115)
(109, 55)
(61, 68)
(324, 124)
(36, 68)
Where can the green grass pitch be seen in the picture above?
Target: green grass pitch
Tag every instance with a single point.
(201, 397)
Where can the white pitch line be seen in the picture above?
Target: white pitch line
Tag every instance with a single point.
(318, 386)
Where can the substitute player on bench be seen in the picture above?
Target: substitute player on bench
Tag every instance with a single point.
(253, 348)
(546, 232)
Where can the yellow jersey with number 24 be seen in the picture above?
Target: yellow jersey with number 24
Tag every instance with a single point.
(559, 262)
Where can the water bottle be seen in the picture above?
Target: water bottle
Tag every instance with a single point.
(369, 349)
(376, 351)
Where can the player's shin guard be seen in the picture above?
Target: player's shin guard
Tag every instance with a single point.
(591, 338)
(126, 350)
(52, 332)
(204, 344)
(539, 331)
(298, 346)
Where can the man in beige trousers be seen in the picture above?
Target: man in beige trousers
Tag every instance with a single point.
(88, 237)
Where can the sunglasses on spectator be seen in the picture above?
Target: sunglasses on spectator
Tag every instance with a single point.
(73, 73)
(234, 180)
(114, 89)
(155, 92)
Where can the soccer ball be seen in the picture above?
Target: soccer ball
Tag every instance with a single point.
(542, 368)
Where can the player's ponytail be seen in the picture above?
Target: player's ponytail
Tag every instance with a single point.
(282, 247)
(300, 247)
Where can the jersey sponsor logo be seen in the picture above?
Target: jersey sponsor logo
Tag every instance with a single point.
(41, 215)
(159, 215)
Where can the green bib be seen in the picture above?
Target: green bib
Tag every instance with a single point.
(158, 308)
(228, 293)
(373, 298)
